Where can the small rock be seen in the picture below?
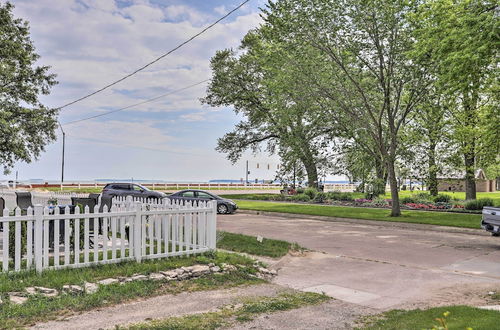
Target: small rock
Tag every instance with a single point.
(30, 290)
(72, 289)
(90, 288)
(47, 292)
(211, 264)
(156, 276)
(491, 293)
(1, 301)
(263, 270)
(215, 269)
(273, 272)
(229, 268)
(17, 298)
(139, 277)
(108, 281)
(199, 270)
(179, 271)
(169, 273)
(183, 276)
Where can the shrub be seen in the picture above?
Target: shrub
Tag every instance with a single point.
(339, 196)
(423, 196)
(300, 190)
(300, 198)
(408, 200)
(379, 202)
(311, 192)
(478, 204)
(442, 198)
(320, 197)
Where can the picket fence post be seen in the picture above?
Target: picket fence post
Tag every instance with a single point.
(138, 231)
(213, 230)
(38, 253)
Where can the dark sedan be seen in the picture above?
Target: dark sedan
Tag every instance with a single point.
(223, 205)
(130, 189)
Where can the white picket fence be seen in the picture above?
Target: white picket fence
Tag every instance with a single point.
(47, 238)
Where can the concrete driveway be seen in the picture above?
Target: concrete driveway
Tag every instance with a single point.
(378, 265)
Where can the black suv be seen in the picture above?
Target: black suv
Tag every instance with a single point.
(191, 195)
(130, 189)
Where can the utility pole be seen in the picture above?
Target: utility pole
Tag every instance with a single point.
(63, 146)
(246, 174)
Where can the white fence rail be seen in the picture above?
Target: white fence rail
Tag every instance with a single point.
(46, 238)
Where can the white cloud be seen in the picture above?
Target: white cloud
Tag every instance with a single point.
(221, 10)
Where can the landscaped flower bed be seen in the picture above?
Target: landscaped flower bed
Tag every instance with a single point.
(419, 201)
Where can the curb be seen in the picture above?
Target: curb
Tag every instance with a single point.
(404, 225)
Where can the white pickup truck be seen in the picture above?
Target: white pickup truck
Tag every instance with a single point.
(491, 220)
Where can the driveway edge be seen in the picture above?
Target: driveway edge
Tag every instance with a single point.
(405, 225)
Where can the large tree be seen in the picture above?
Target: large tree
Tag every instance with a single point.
(458, 41)
(26, 125)
(263, 84)
(369, 77)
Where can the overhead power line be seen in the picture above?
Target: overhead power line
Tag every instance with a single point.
(136, 104)
(157, 59)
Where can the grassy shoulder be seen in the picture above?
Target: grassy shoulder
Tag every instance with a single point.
(454, 317)
(40, 308)
(432, 218)
(249, 244)
(232, 315)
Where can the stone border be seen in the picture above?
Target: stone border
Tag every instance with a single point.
(178, 274)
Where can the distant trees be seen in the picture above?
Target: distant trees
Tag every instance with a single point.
(26, 125)
(372, 82)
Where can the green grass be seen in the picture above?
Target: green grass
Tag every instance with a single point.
(432, 218)
(249, 244)
(231, 316)
(39, 308)
(460, 317)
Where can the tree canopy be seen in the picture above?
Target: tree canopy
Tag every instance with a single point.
(26, 125)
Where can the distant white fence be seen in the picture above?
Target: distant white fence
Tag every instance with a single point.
(45, 238)
(343, 187)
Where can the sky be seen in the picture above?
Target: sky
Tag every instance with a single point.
(90, 43)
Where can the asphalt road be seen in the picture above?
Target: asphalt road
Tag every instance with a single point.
(378, 265)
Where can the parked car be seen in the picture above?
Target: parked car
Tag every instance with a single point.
(491, 220)
(223, 205)
(130, 189)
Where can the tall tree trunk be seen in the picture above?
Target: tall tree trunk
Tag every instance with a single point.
(312, 173)
(381, 173)
(470, 182)
(432, 184)
(393, 183)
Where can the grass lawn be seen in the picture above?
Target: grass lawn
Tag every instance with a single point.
(424, 217)
(249, 244)
(39, 308)
(459, 317)
(232, 316)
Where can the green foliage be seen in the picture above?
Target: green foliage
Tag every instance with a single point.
(226, 317)
(408, 199)
(300, 198)
(478, 204)
(27, 126)
(442, 198)
(454, 317)
(311, 192)
(249, 244)
(320, 197)
(39, 309)
(339, 196)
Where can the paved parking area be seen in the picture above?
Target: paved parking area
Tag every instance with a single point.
(377, 265)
